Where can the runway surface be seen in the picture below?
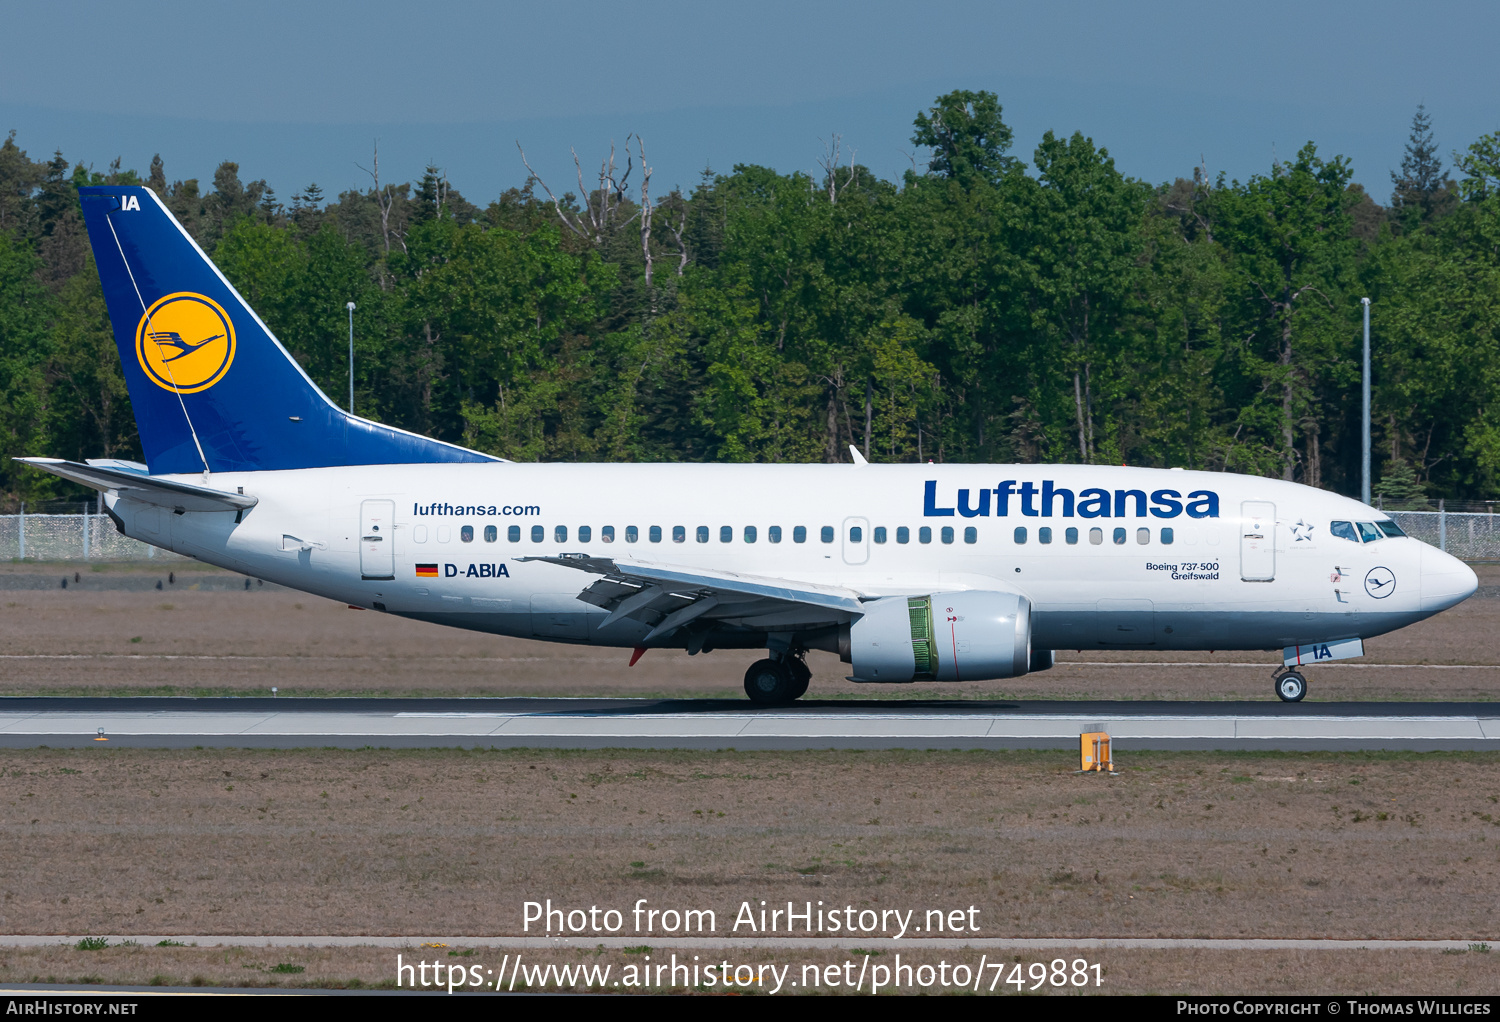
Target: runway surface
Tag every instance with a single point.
(723, 724)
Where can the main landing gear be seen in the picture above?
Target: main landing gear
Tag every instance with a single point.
(1291, 687)
(776, 681)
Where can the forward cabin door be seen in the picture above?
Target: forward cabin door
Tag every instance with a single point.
(1257, 541)
(377, 536)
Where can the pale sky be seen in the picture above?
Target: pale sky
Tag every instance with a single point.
(297, 92)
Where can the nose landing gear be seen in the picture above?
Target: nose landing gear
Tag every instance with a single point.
(1291, 687)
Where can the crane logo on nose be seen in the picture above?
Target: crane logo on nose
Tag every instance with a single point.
(185, 343)
(1380, 582)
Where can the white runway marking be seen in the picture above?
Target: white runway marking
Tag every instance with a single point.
(753, 728)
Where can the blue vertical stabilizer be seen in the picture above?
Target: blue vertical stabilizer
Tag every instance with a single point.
(211, 387)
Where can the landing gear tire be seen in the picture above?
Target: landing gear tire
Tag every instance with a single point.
(801, 676)
(1291, 687)
(769, 683)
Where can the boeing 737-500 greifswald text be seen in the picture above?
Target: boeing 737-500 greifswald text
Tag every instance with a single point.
(907, 572)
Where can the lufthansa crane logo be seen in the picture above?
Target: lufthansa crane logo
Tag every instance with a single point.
(185, 342)
(1380, 583)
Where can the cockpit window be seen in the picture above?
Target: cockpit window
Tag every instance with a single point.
(1368, 532)
(1391, 529)
(1343, 530)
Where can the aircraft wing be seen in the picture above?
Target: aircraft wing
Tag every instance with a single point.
(135, 486)
(670, 597)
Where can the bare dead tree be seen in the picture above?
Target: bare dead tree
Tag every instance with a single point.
(869, 414)
(645, 214)
(592, 223)
(386, 198)
(829, 161)
(677, 229)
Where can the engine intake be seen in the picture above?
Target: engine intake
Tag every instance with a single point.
(966, 636)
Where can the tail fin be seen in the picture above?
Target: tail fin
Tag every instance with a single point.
(212, 388)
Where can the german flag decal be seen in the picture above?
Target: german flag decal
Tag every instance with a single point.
(427, 571)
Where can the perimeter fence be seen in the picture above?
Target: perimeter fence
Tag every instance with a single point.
(1467, 535)
(79, 532)
(70, 531)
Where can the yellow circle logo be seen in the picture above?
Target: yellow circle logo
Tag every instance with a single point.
(185, 343)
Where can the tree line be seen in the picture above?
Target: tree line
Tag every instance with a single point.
(986, 308)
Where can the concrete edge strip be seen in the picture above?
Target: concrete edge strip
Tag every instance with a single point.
(421, 944)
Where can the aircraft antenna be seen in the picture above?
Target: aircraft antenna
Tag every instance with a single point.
(165, 365)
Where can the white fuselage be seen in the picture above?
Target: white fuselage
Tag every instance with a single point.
(1255, 568)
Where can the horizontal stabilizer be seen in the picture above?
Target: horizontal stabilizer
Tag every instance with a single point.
(146, 489)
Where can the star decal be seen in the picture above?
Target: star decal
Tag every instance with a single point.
(1302, 531)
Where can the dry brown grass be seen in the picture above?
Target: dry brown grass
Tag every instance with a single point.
(1362, 846)
(306, 645)
(1432, 973)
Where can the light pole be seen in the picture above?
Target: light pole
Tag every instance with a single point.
(350, 307)
(1364, 481)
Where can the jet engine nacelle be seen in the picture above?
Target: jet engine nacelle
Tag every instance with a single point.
(967, 636)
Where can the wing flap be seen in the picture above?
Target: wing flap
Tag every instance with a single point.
(673, 597)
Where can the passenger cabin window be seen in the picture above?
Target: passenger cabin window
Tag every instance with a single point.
(1044, 535)
(1391, 529)
(1143, 536)
(726, 534)
(947, 534)
(444, 534)
(971, 534)
(585, 533)
(826, 534)
(880, 534)
(1072, 537)
(419, 534)
(1119, 536)
(1166, 537)
(1343, 530)
(560, 534)
(749, 534)
(679, 534)
(466, 534)
(702, 534)
(924, 534)
(774, 534)
(632, 534)
(1020, 534)
(513, 534)
(1096, 536)
(1368, 532)
(856, 534)
(903, 534)
(606, 534)
(538, 534)
(491, 534)
(799, 534)
(654, 534)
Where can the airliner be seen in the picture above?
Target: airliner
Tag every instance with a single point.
(908, 572)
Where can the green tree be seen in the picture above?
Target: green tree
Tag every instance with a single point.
(1083, 257)
(1420, 194)
(1292, 256)
(25, 308)
(968, 139)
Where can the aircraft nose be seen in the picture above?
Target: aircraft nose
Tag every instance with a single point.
(1445, 580)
